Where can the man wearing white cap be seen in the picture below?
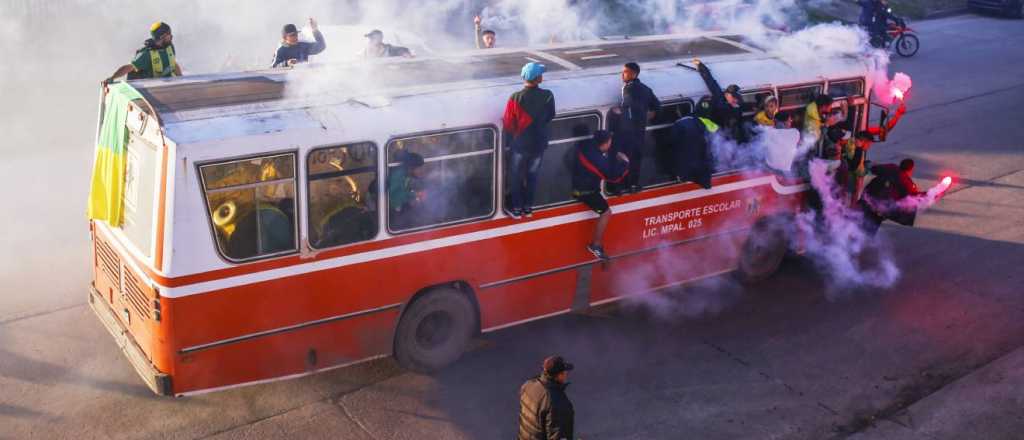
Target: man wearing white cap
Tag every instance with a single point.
(528, 114)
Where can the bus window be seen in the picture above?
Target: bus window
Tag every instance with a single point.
(798, 97)
(454, 184)
(656, 168)
(554, 183)
(342, 194)
(251, 204)
(753, 100)
(846, 89)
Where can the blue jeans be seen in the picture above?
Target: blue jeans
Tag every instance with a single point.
(522, 178)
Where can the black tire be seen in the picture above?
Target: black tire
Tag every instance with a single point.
(434, 330)
(764, 250)
(907, 45)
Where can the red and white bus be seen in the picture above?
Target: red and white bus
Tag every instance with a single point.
(259, 242)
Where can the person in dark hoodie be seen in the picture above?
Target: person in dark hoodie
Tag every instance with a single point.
(545, 411)
(528, 114)
(726, 105)
(155, 59)
(691, 138)
(638, 105)
(292, 51)
(891, 184)
(596, 162)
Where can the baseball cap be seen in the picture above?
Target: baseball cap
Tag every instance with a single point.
(374, 32)
(532, 70)
(555, 364)
(289, 29)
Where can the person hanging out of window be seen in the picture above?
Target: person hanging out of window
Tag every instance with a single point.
(596, 162)
(726, 106)
(527, 120)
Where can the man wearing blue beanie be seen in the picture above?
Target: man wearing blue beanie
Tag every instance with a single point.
(527, 116)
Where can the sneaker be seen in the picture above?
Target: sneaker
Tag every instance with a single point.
(516, 214)
(598, 251)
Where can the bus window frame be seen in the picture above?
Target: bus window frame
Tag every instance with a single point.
(652, 128)
(496, 150)
(601, 121)
(863, 87)
(209, 216)
(781, 89)
(771, 91)
(377, 169)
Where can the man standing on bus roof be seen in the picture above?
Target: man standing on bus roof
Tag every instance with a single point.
(638, 105)
(292, 51)
(595, 161)
(376, 48)
(545, 411)
(485, 38)
(528, 113)
(155, 59)
(726, 105)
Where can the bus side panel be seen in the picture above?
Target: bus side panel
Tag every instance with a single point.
(527, 299)
(304, 350)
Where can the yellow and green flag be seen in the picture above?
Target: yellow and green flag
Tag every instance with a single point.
(106, 196)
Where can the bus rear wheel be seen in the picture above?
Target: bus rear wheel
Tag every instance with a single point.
(435, 330)
(764, 250)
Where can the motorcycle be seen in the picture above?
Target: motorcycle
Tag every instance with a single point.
(902, 38)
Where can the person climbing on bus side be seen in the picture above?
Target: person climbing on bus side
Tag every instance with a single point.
(292, 51)
(691, 138)
(726, 105)
(819, 115)
(404, 183)
(376, 48)
(892, 183)
(545, 411)
(637, 107)
(855, 153)
(156, 58)
(484, 38)
(596, 162)
(528, 114)
(769, 111)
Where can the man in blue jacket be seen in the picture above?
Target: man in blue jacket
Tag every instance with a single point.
(629, 121)
(292, 51)
(595, 161)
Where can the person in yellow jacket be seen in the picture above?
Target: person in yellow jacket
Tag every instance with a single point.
(156, 58)
(769, 109)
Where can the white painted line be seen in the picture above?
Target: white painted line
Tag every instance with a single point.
(595, 57)
(579, 51)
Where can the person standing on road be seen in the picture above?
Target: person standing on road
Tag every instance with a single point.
(292, 51)
(156, 59)
(528, 113)
(638, 105)
(545, 411)
(595, 161)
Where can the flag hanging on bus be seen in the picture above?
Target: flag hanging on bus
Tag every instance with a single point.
(106, 201)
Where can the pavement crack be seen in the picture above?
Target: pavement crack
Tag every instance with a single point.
(341, 403)
(43, 313)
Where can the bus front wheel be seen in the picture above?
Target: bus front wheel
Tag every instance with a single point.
(435, 330)
(764, 250)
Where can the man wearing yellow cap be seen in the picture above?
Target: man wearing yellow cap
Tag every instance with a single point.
(154, 60)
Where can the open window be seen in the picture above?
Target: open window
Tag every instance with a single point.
(656, 168)
(342, 194)
(251, 205)
(454, 184)
(753, 100)
(554, 183)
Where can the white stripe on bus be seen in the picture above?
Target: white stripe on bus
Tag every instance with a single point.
(428, 245)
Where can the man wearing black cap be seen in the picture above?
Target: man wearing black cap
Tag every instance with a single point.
(375, 47)
(156, 58)
(726, 105)
(292, 51)
(545, 412)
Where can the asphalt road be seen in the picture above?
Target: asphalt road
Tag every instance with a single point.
(936, 356)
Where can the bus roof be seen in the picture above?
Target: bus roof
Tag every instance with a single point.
(201, 108)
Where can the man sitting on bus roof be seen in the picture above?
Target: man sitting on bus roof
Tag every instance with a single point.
(156, 58)
(292, 51)
(376, 48)
(528, 113)
(638, 105)
(595, 161)
(485, 38)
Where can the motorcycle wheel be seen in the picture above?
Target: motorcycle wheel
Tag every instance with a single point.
(907, 45)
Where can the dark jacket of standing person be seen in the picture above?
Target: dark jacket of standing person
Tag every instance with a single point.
(729, 117)
(528, 113)
(299, 51)
(881, 196)
(691, 151)
(867, 12)
(593, 166)
(545, 411)
(637, 100)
